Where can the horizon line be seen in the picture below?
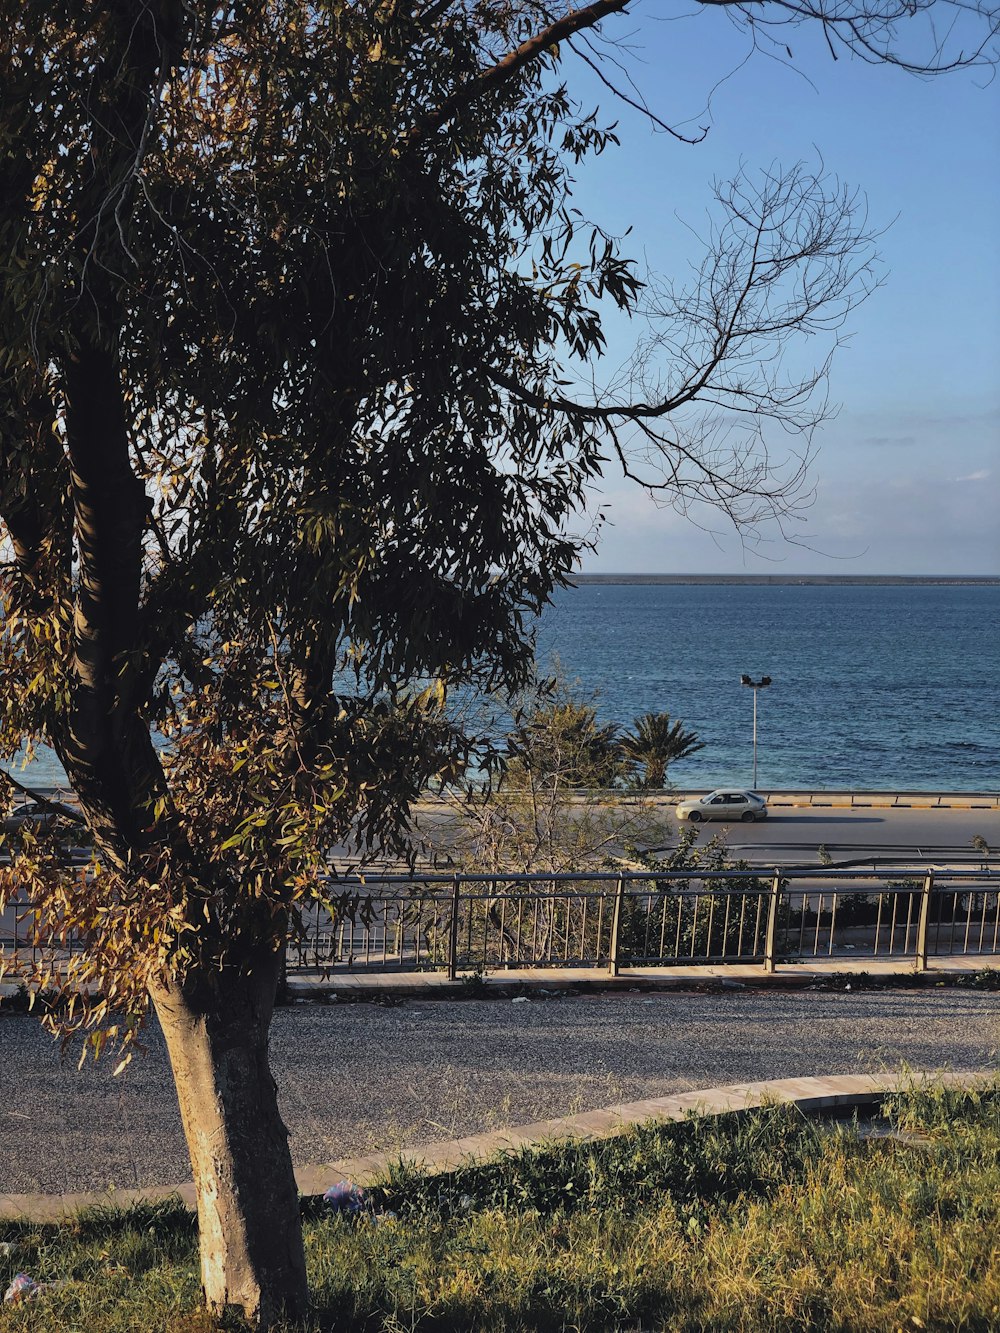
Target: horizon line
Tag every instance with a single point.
(785, 577)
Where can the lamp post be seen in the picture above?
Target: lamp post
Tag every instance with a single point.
(755, 685)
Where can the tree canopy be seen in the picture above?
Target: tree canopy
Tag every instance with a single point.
(295, 310)
(290, 293)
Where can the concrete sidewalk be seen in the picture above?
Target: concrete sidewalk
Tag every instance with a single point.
(881, 800)
(791, 798)
(786, 975)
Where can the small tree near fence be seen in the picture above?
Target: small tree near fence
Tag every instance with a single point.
(550, 801)
(670, 920)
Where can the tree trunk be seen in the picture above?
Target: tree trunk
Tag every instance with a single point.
(216, 1027)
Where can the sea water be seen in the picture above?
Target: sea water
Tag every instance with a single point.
(891, 687)
(873, 686)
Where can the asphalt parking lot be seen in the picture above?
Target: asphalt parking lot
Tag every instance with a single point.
(358, 1078)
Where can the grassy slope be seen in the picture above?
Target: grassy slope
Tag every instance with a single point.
(766, 1222)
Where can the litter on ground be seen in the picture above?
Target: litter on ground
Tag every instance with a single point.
(345, 1197)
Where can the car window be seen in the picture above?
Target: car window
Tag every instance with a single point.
(737, 798)
(718, 800)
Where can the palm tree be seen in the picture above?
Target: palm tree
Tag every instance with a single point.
(655, 743)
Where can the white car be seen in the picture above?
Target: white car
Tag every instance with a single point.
(723, 804)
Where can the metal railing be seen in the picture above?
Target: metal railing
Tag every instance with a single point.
(489, 923)
(471, 923)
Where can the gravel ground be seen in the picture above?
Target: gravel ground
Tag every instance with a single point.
(357, 1078)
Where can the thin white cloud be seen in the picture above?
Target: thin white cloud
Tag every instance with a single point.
(981, 475)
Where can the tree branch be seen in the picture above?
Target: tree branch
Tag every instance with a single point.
(869, 29)
(512, 63)
(56, 807)
(33, 485)
(638, 104)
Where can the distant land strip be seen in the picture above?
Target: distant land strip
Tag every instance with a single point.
(845, 580)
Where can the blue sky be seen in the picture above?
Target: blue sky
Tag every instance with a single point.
(908, 474)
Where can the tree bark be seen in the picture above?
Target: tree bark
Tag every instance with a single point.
(216, 1027)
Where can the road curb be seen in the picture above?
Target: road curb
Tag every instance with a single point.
(810, 1095)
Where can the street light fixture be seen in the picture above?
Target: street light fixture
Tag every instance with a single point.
(755, 685)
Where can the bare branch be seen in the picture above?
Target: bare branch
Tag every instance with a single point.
(637, 103)
(873, 29)
(786, 259)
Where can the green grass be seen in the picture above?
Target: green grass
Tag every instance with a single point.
(762, 1222)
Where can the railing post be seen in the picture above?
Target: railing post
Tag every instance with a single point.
(456, 890)
(920, 961)
(771, 933)
(614, 965)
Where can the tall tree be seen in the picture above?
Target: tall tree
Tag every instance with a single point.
(288, 294)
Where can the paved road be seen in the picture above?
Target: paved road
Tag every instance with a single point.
(796, 833)
(792, 834)
(357, 1078)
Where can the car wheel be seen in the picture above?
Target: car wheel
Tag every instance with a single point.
(747, 817)
(694, 817)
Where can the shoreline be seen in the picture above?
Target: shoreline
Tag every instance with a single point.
(856, 796)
